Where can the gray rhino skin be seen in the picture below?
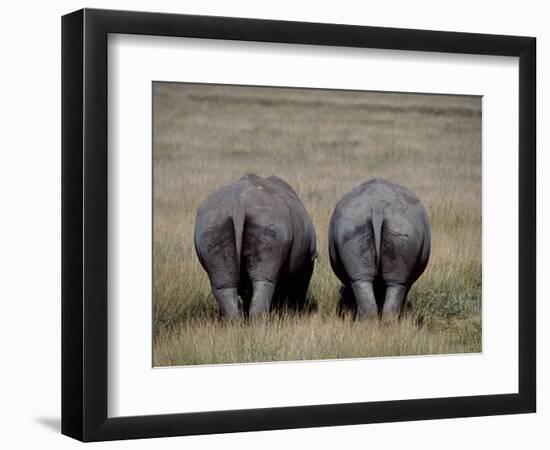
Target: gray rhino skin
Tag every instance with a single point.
(254, 238)
(379, 244)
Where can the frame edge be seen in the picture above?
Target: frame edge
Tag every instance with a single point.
(72, 222)
(527, 209)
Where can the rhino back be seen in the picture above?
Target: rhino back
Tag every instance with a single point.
(276, 229)
(404, 232)
(304, 244)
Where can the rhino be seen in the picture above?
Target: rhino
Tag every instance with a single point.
(379, 244)
(255, 240)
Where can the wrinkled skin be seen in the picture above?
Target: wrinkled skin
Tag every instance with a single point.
(256, 241)
(379, 244)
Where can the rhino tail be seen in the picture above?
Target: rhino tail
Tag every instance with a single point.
(376, 221)
(239, 216)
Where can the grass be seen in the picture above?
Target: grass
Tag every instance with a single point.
(323, 143)
(314, 337)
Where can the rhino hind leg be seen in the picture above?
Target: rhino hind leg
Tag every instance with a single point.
(394, 301)
(262, 295)
(228, 301)
(363, 292)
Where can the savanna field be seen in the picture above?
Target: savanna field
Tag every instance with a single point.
(323, 143)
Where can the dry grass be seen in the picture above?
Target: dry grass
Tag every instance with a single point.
(303, 338)
(323, 143)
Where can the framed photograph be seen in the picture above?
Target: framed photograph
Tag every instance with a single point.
(273, 224)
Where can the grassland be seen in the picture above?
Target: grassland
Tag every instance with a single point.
(323, 143)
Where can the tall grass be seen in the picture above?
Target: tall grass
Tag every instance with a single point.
(206, 341)
(323, 143)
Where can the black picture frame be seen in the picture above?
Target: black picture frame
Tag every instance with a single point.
(84, 224)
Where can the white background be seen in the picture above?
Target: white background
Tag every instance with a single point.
(30, 290)
(136, 388)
